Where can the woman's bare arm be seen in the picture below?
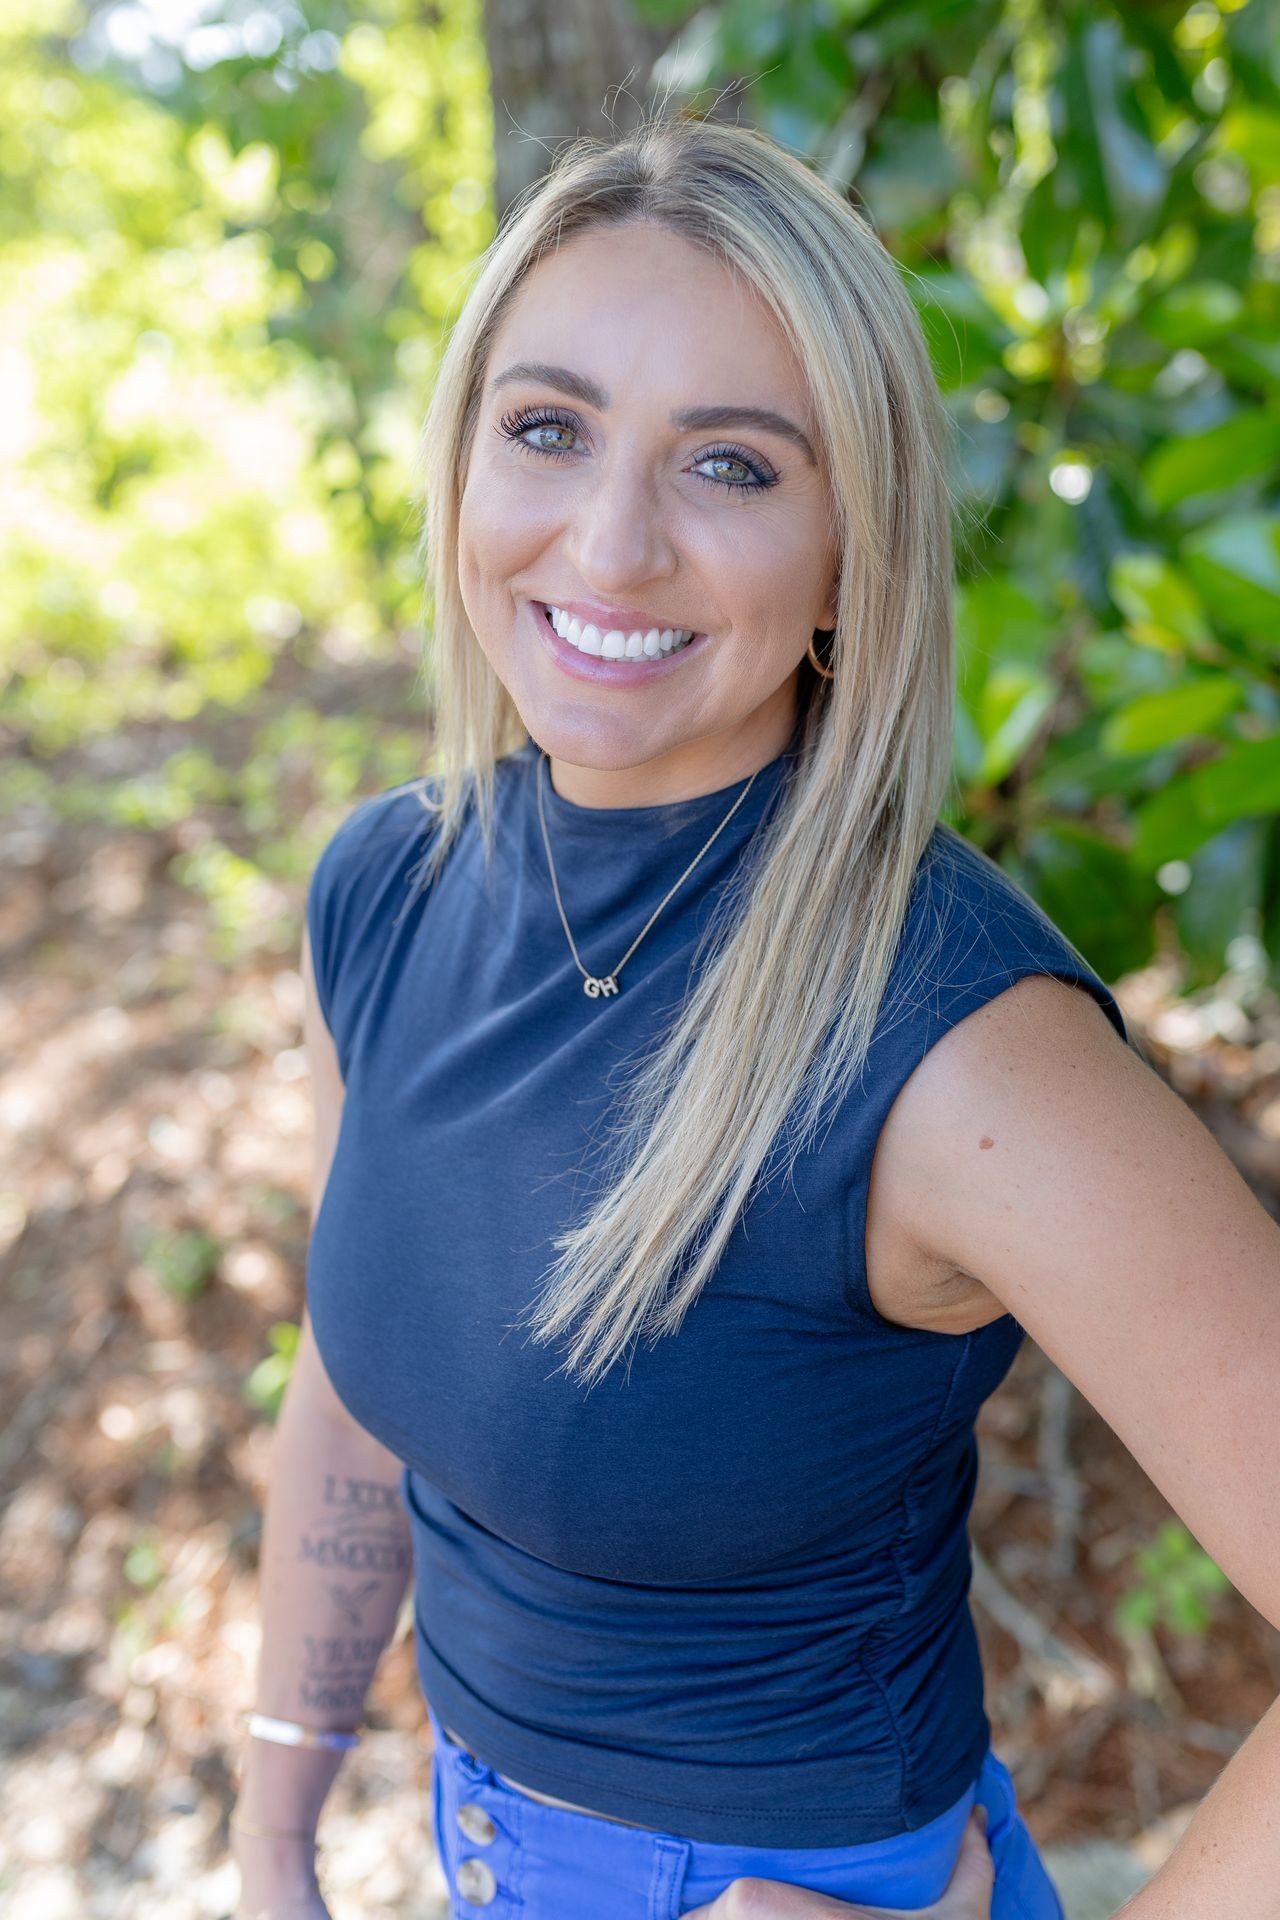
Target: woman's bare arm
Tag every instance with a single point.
(334, 1567)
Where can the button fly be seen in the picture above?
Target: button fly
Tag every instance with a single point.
(476, 1883)
(476, 1823)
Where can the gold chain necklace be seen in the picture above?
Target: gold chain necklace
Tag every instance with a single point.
(597, 985)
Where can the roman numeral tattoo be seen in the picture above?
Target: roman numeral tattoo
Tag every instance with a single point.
(359, 1538)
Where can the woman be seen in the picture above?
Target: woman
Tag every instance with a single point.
(612, 1023)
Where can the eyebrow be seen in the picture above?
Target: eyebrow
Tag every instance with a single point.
(701, 419)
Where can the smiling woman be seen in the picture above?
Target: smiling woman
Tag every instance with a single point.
(693, 1631)
(573, 505)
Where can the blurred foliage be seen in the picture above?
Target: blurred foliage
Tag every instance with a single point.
(232, 235)
(184, 1263)
(151, 1612)
(226, 253)
(265, 1387)
(144, 1562)
(1086, 201)
(1177, 1586)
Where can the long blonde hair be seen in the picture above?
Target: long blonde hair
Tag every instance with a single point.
(802, 962)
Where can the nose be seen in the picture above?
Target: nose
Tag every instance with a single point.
(620, 537)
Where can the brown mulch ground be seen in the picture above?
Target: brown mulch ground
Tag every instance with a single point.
(150, 1089)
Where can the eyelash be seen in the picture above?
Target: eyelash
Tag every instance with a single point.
(512, 425)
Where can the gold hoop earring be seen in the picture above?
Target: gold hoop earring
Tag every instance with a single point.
(828, 673)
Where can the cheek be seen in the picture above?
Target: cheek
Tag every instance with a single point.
(480, 513)
(489, 546)
(760, 580)
(494, 550)
(775, 571)
(499, 499)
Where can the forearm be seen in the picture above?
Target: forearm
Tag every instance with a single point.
(335, 1562)
(1227, 1860)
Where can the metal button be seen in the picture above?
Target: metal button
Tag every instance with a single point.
(476, 1883)
(476, 1824)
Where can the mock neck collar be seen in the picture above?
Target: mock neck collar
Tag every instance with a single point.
(568, 822)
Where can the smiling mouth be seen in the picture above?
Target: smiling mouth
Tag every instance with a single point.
(614, 644)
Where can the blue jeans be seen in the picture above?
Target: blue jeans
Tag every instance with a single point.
(512, 1856)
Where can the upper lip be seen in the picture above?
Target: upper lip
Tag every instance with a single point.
(615, 619)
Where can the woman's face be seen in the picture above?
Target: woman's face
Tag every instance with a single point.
(600, 484)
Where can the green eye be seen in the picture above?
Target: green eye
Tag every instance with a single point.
(513, 426)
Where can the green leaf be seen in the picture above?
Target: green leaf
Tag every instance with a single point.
(1195, 313)
(1243, 780)
(1014, 703)
(1161, 719)
(1049, 228)
(1135, 1609)
(144, 1562)
(1106, 139)
(1225, 891)
(664, 13)
(1090, 889)
(906, 179)
(1236, 565)
(966, 753)
(1160, 606)
(266, 1384)
(1169, 826)
(997, 621)
(1269, 921)
(1176, 1578)
(184, 1263)
(1186, 1614)
(1246, 447)
(1253, 132)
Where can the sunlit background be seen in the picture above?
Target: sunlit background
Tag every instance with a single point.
(231, 237)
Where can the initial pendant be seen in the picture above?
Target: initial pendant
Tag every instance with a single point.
(595, 988)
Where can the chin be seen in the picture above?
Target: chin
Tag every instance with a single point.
(586, 733)
(594, 746)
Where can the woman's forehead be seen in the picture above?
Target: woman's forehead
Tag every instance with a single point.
(629, 310)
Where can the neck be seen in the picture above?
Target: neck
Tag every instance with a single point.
(683, 773)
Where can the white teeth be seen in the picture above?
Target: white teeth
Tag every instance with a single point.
(616, 645)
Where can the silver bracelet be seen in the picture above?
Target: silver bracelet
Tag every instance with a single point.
(289, 1733)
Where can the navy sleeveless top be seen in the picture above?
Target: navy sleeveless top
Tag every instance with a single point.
(723, 1592)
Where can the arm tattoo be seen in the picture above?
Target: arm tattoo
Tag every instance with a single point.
(360, 1538)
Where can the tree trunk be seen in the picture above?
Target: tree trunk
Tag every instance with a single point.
(558, 68)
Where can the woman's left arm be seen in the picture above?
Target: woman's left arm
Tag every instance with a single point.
(1055, 1166)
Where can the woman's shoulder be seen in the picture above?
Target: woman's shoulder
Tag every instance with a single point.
(360, 882)
(377, 835)
(382, 817)
(385, 838)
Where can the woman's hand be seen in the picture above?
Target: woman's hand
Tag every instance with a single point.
(967, 1895)
(277, 1876)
